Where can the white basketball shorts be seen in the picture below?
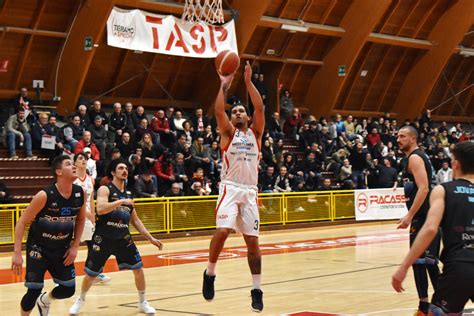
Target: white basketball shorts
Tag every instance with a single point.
(237, 208)
(88, 231)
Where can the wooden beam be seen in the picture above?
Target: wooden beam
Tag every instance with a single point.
(175, 76)
(356, 113)
(447, 34)
(146, 102)
(449, 118)
(118, 70)
(467, 103)
(9, 94)
(374, 77)
(327, 12)
(26, 50)
(90, 21)
(250, 13)
(24, 30)
(399, 41)
(423, 20)
(283, 60)
(388, 83)
(313, 28)
(147, 77)
(326, 86)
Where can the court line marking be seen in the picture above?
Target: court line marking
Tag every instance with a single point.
(266, 284)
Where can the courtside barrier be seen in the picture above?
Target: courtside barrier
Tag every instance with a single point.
(187, 213)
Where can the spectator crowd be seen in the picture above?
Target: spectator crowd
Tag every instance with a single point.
(174, 153)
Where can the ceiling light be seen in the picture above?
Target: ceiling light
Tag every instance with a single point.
(294, 28)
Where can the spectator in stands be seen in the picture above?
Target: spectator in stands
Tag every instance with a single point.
(274, 127)
(100, 137)
(327, 141)
(38, 130)
(86, 141)
(340, 126)
(197, 189)
(125, 145)
(286, 104)
(266, 180)
(200, 178)
(188, 131)
(199, 121)
(184, 148)
(73, 132)
(97, 110)
(215, 155)
(357, 159)
(445, 174)
(180, 172)
(387, 175)
(292, 124)
(349, 127)
(161, 127)
(91, 163)
(268, 153)
(373, 139)
(141, 130)
(148, 149)
(117, 122)
(163, 170)
(18, 131)
(83, 115)
(345, 175)
(201, 156)
(178, 120)
(326, 185)
(371, 172)
(54, 130)
(5, 196)
(174, 191)
(144, 186)
(129, 120)
(208, 136)
(282, 182)
(138, 116)
(22, 101)
(262, 88)
(426, 118)
(465, 137)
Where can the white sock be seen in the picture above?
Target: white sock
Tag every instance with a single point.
(256, 280)
(141, 296)
(46, 298)
(211, 268)
(83, 296)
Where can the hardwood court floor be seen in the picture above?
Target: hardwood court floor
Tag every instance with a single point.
(343, 269)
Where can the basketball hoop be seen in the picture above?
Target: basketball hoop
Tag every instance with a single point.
(208, 11)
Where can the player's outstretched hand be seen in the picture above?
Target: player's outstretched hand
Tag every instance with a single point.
(404, 222)
(70, 255)
(248, 72)
(157, 243)
(226, 81)
(397, 279)
(17, 263)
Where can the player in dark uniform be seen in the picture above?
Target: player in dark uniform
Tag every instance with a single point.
(115, 210)
(452, 209)
(417, 176)
(58, 214)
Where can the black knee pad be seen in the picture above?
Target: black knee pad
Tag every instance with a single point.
(61, 291)
(29, 299)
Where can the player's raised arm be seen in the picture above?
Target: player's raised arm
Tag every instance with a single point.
(258, 120)
(225, 127)
(35, 206)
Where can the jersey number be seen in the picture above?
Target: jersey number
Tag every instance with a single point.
(256, 225)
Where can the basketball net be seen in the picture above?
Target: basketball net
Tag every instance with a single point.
(208, 11)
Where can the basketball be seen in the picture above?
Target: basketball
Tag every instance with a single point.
(227, 62)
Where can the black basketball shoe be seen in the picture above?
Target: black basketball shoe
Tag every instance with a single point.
(208, 286)
(257, 300)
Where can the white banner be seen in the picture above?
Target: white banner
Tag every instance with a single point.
(375, 204)
(166, 34)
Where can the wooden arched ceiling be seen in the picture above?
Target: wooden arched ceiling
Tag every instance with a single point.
(33, 33)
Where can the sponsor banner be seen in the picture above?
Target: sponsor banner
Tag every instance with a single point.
(375, 204)
(166, 34)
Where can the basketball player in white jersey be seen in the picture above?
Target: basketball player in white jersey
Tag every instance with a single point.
(87, 184)
(237, 203)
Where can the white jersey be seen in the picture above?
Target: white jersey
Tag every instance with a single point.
(87, 185)
(240, 158)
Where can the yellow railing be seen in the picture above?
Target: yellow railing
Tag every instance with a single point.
(165, 215)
